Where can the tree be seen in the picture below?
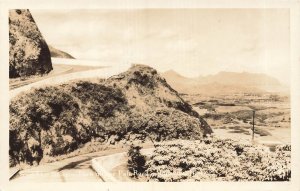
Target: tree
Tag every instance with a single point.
(136, 162)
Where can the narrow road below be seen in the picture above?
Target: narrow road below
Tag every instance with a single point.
(75, 169)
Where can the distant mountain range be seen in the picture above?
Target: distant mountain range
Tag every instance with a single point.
(224, 83)
(59, 53)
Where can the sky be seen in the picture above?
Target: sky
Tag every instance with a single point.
(193, 42)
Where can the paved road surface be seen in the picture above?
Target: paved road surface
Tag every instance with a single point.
(75, 169)
(103, 71)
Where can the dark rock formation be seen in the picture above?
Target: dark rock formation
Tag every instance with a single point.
(28, 51)
(137, 104)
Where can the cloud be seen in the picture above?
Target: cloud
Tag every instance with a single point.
(193, 41)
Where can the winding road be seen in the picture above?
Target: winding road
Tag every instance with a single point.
(101, 71)
(73, 169)
(76, 169)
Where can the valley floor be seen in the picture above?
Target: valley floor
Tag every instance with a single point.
(278, 136)
(230, 116)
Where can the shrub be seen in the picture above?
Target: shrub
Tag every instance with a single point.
(59, 119)
(43, 118)
(136, 162)
(214, 159)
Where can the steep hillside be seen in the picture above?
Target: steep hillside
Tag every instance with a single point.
(58, 53)
(137, 104)
(224, 83)
(28, 51)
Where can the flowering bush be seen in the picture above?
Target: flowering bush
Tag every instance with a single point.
(214, 159)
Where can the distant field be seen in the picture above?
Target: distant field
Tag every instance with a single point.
(225, 109)
(231, 116)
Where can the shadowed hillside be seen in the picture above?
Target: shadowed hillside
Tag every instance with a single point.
(134, 105)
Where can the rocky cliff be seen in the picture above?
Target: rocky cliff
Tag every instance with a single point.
(134, 105)
(28, 51)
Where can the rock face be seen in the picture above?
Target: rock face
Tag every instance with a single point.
(28, 51)
(134, 105)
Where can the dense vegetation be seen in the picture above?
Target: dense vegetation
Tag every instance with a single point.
(135, 105)
(243, 115)
(214, 159)
(28, 51)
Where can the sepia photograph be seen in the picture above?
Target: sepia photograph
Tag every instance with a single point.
(149, 95)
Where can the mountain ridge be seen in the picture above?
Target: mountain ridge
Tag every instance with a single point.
(224, 82)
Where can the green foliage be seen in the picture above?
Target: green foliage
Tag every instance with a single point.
(136, 161)
(213, 159)
(105, 100)
(59, 120)
(243, 115)
(56, 120)
(47, 117)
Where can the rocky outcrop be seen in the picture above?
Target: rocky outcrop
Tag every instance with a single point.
(134, 105)
(56, 53)
(28, 51)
